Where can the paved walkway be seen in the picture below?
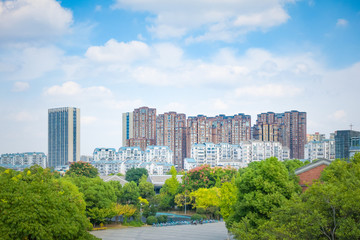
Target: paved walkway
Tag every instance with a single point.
(208, 231)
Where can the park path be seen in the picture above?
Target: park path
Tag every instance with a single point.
(209, 231)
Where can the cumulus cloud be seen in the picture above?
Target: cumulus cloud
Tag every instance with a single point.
(33, 19)
(269, 90)
(114, 51)
(75, 89)
(20, 86)
(342, 22)
(217, 20)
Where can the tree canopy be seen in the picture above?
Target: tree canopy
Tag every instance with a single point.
(82, 169)
(134, 174)
(35, 205)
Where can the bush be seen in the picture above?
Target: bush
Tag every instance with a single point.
(200, 210)
(162, 219)
(90, 227)
(196, 217)
(151, 220)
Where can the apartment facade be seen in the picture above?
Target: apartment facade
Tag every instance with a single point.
(343, 143)
(289, 128)
(63, 136)
(320, 149)
(20, 161)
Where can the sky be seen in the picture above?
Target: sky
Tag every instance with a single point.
(195, 57)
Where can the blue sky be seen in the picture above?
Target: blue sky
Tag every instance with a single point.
(195, 57)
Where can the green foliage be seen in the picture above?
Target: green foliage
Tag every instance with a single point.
(196, 217)
(228, 193)
(169, 190)
(206, 177)
(327, 210)
(162, 219)
(130, 194)
(152, 208)
(36, 205)
(83, 169)
(151, 220)
(262, 187)
(146, 188)
(100, 215)
(134, 174)
(97, 193)
(117, 189)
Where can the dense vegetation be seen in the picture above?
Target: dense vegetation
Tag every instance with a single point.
(262, 201)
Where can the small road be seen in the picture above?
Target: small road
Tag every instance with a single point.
(208, 231)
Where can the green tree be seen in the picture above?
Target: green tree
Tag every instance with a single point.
(134, 174)
(170, 188)
(329, 209)
(262, 187)
(130, 194)
(228, 193)
(35, 205)
(146, 188)
(83, 169)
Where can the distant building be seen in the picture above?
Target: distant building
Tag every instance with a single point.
(288, 128)
(84, 158)
(20, 161)
(189, 163)
(355, 146)
(310, 172)
(343, 143)
(171, 132)
(130, 153)
(104, 154)
(159, 154)
(320, 149)
(127, 127)
(144, 127)
(315, 137)
(63, 136)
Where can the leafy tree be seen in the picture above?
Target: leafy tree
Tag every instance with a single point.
(83, 169)
(262, 187)
(100, 215)
(117, 189)
(206, 177)
(227, 198)
(170, 188)
(97, 193)
(134, 174)
(329, 209)
(35, 205)
(130, 194)
(146, 188)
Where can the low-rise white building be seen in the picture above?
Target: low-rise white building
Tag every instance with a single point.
(104, 154)
(20, 161)
(159, 154)
(320, 149)
(130, 153)
(237, 156)
(189, 163)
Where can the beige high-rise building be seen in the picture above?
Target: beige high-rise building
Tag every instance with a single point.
(171, 132)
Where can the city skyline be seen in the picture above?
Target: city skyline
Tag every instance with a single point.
(112, 56)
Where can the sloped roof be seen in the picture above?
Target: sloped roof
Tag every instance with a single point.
(159, 180)
(312, 165)
(114, 178)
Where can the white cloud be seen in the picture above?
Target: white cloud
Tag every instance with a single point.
(269, 90)
(20, 86)
(98, 8)
(219, 19)
(75, 89)
(342, 22)
(33, 19)
(114, 51)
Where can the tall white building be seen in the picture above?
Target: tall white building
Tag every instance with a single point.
(127, 126)
(320, 149)
(63, 136)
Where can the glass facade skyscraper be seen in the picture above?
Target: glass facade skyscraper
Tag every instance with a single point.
(343, 143)
(63, 136)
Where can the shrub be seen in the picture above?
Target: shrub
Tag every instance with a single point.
(200, 210)
(162, 219)
(151, 220)
(90, 227)
(196, 217)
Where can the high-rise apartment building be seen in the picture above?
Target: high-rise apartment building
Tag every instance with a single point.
(289, 128)
(171, 132)
(343, 143)
(315, 137)
(127, 127)
(144, 127)
(63, 136)
(219, 129)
